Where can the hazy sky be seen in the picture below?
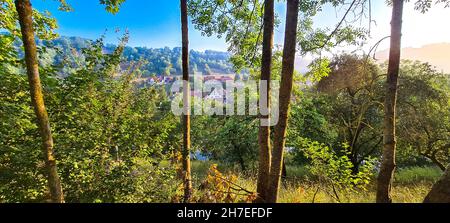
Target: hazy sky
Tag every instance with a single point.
(156, 23)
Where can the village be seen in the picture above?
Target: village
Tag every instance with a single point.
(167, 81)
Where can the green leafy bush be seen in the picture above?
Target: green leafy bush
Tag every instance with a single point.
(334, 172)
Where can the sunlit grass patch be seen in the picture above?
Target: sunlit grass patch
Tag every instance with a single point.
(411, 185)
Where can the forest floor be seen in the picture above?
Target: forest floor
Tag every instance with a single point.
(411, 185)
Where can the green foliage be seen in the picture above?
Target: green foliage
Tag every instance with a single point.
(334, 171)
(110, 136)
(309, 119)
(21, 173)
(106, 112)
(314, 40)
(240, 22)
(355, 92)
(168, 61)
(114, 140)
(318, 69)
(112, 6)
(232, 140)
(424, 126)
(343, 106)
(424, 5)
(44, 24)
(148, 184)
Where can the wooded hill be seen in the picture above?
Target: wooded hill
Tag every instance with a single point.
(157, 61)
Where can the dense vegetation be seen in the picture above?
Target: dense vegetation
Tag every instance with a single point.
(115, 141)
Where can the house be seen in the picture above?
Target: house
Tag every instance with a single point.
(216, 94)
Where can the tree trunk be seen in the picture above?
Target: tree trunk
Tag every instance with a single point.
(440, 193)
(25, 13)
(355, 163)
(287, 74)
(436, 162)
(264, 131)
(284, 170)
(186, 104)
(388, 163)
(242, 164)
(240, 157)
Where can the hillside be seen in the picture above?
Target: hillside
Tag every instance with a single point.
(436, 54)
(161, 61)
(167, 61)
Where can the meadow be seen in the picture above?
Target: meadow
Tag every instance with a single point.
(411, 184)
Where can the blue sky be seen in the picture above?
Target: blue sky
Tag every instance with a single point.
(156, 23)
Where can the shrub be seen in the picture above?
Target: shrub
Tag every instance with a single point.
(218, 188)
(334, 172)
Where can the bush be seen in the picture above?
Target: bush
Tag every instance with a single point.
(334, 172)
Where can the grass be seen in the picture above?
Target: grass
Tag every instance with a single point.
(411, 175)
(411, 185)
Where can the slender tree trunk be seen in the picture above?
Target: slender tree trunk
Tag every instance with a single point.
(264, 131)
(287, 74)
(186, 103)
(355, 163)
(436, 162)
(388, 164)
(25, 13)
(440, 193)
(284, 170)
(242, 164)
(439, 164)
(240, 157)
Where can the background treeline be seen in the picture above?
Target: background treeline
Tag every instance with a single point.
(163, 61)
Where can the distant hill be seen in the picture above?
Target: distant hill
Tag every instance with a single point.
(161, 61)
(436, 54)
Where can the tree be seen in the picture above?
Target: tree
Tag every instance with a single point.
(388, 163)
(243, 22)
(355, 93)
(423, 111)
(19, 174)
(186, 160)
(309, 119)
(232, 140)
(25, 15)
(240, 22)
(287, 74)
(31, 21)
(264, 130)
(440, 193)
(111, 133)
